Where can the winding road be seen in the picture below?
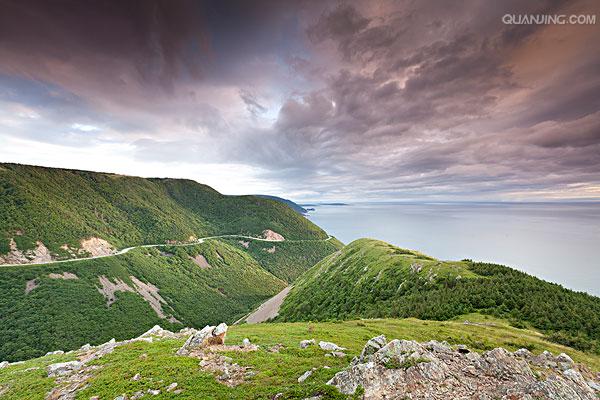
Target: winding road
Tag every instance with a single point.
(200, 240)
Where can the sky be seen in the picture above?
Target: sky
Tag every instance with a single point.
(309, 100)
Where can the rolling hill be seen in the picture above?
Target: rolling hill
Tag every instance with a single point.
(373, 279)
(58, 213)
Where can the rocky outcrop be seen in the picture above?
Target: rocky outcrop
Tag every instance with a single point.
(274, 236)
(209, 335)
(434, 370)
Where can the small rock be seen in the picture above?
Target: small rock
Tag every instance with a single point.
(55, 353)
(329, 346)
(305, 343)
(136, 377)
(338, 354)
(276, 348)
(4, 364)
(153, 392)
(85, 347)
(121, 397)
(94, 398)
(372, 346)
(137, 395)
(564, 358)
(277, 396)
(144, 356)
(66, 368)
(326, 367)
(305, 376)
(172, 387)
(523, 353)
(546, 354)
(246, 342)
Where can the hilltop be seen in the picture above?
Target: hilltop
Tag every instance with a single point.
(50, 213)
(373, 279)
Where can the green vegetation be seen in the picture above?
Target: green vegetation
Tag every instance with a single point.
(287, 260)
(67, 313)
(275, 372)
(373, 279)
(59, 206)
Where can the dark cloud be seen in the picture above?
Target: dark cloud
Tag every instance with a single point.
(395, 99)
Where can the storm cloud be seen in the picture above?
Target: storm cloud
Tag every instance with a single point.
(328, 100)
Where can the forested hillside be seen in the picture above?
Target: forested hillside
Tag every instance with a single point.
(63, 306)
(55, 209)
(287, 260)
(373, 279)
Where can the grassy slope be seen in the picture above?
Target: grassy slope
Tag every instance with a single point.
(65, 314)
(58, 206)
(290, 259)
(276, 372)
(370, 279)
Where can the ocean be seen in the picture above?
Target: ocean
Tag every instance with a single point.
(558, 242)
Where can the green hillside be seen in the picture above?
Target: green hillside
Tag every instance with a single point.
(287, 260)
(62, 307)
(273, 372)
(373, 279)
(59, 207)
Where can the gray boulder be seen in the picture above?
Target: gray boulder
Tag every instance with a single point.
(305, 343)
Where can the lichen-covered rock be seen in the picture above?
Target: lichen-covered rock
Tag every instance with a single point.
(433, 370)
(207, 336)
(308, 342)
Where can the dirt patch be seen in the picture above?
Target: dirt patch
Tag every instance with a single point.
(270, 250)
(96, 247)
(64, 275)
(15, 256)
(30, 285)
(200, 261)
(270, 235)
(109, 288)
(150, 293)
(245, 244)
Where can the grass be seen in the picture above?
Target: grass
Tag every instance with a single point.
(275, 372)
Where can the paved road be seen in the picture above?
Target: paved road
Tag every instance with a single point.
(201, 240)
(269, 309)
